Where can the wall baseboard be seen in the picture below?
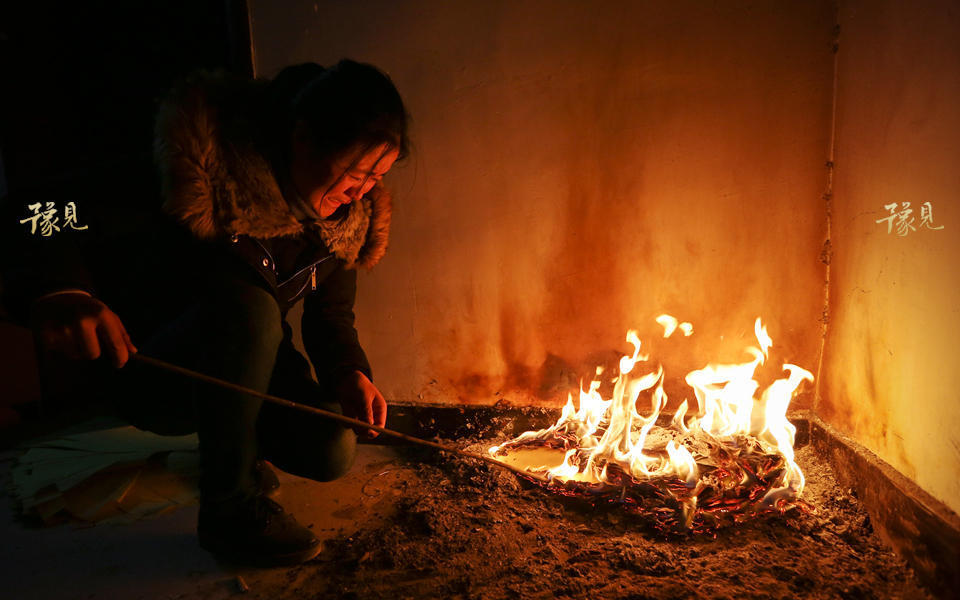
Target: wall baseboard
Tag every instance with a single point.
(923, 530)
(450, 422)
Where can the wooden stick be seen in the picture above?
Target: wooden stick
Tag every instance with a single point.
(155, 362)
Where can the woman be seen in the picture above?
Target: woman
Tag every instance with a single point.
(272, 194)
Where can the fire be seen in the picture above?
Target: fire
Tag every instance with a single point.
(733, 458)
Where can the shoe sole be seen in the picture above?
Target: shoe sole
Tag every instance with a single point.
(230, 553)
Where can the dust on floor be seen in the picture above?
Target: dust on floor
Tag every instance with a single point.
(407, 523)
(463, 529)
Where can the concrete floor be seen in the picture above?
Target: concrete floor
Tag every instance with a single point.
(160, 558)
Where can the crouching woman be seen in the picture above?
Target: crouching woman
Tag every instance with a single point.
(273, 195)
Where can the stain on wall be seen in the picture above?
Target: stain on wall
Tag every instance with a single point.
(890, 375)
(577, 171)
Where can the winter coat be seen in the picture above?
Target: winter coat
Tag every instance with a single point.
(219, 180)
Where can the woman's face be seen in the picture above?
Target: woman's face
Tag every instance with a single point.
(348, 178)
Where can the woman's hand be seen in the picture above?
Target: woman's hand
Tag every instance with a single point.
(80, 327)
(361, 400)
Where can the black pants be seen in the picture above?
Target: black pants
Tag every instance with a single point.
(236, 333)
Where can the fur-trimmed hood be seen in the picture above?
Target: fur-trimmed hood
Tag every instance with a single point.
(217, 182)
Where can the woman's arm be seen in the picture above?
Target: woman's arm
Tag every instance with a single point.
(328, 329)
(331, 342)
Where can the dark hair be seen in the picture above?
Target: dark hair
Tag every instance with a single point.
(344, 105)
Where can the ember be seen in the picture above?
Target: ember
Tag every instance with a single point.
(731, 462)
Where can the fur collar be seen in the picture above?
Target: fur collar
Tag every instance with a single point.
(217, 183)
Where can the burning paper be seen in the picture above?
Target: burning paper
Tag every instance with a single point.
(732, 460)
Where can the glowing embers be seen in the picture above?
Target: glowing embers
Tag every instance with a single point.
(733, 460)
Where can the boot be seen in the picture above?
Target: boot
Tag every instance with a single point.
(256, 531)
(264, 478)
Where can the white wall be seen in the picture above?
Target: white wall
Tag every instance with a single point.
(579, 169)
(891, 376)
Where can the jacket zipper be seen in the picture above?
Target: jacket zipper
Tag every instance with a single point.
(313, 272)
(273, 267)
(313, 277)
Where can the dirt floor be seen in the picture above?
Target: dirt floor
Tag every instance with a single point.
(411, 523)
(461, 529)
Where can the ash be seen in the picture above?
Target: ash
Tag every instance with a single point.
(464, 529)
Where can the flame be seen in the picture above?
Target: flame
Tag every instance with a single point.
(607, 442)
(782, 432)
(671, 324)
(683, 464)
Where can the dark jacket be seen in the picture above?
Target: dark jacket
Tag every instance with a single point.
(223, 215)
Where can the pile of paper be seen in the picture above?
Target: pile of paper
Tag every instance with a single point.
(115, 474)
